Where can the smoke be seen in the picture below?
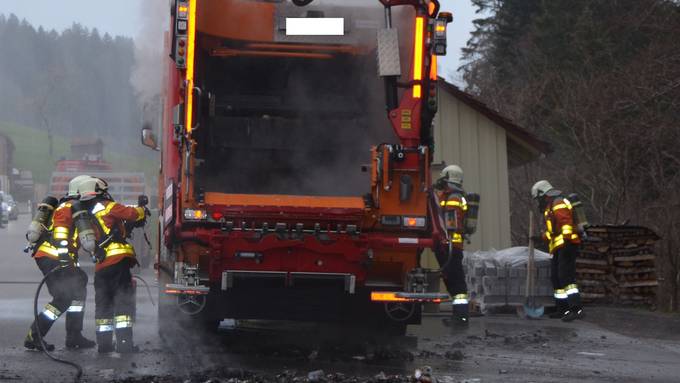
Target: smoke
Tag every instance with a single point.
(146, 77)
(325, 116)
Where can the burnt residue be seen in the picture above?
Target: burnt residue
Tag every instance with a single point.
(291, 125)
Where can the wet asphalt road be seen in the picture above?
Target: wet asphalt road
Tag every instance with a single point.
(614, 345)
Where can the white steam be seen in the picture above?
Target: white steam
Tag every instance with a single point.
(147, 73)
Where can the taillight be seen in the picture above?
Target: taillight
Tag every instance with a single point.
(195, 214)
(414, 222)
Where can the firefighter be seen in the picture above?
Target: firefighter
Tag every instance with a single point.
(454, 208)
(68, 285)
(563, 240)
(114, 291)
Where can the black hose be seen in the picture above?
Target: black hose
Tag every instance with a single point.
(302, 3)
(148, 290)
(79, 369)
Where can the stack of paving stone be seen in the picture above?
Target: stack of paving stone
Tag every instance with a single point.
(498, 278)
(617, 264)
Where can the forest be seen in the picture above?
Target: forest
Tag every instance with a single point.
(600, 81)
(70, 83)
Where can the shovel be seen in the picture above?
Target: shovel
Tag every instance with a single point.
(531, 309)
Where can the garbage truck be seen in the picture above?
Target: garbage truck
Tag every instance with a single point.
(296, 142)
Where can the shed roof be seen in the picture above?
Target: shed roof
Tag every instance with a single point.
(523, 146)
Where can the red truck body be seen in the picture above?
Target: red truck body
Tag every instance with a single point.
(275, 201)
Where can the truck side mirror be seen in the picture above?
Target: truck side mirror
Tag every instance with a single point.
(149, 138)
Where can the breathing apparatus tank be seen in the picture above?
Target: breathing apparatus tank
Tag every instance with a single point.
(472, 212)
(82, 220)
(579, 212)
(41, 220)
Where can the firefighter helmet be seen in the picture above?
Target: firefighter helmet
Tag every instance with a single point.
(540, 189)
(453, 174)
(74, 186)
(93, 187)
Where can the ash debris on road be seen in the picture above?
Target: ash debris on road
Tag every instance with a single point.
(227, 375)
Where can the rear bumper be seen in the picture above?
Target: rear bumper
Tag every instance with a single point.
(325, 304)
(288, 255)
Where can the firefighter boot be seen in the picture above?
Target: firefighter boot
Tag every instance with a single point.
(32, 342)
(575, 310)
(74, 328)
(573, 313)
(461, 315)
(561, 306)
(124, 344)
(77, 341)
(105, 342)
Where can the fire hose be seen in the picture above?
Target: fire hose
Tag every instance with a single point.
(79, 369)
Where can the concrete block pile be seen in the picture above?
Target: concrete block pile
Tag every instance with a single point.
(497, 278)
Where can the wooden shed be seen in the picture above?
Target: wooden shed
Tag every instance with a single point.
(485, 144)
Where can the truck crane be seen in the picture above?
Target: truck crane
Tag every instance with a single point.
(295, 175)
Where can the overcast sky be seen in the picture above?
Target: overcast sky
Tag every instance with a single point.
(123, 17)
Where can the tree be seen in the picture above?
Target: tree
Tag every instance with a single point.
(600, 80)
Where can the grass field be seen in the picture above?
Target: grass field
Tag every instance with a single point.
(32, 153)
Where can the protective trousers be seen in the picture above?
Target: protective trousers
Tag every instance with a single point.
(68, 287)
(115, 304)
(563, 276)
(451, 263)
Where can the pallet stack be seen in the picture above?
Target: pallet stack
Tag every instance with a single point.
(617, 265)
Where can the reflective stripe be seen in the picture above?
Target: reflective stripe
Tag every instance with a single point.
(50, 315)
(122, 318)
(62, 250)
(61, 232)
(456, 238)
(567, 229)
(46, 247)
(99, 212)
(140, 213)
(556, 242)
(76, 307)
(51, 312)
(104, 325)
(123, 324)
(560, 206)
(123, 321)
(118, 249)
(98, 207)
(560, 294)
(572, 289)
(460, 299)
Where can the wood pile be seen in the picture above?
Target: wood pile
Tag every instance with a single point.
(617, 265)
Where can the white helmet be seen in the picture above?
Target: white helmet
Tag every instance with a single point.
(453, 174)
(540, 188)
(92, 187)
(74, 186)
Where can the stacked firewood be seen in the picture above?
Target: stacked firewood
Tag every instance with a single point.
(617, 265)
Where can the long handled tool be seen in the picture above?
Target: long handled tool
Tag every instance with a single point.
(531, 308)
